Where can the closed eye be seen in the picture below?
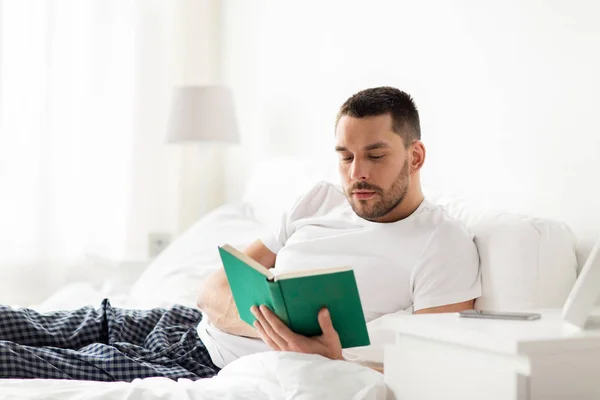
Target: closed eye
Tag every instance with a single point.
(375, 157)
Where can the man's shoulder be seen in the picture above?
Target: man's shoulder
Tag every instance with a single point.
(326, 189)
(448, 241)
(446, 227)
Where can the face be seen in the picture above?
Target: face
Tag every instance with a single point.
(374, 165)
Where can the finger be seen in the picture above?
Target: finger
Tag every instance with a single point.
(265, 323)
(265, 338)
(325, 323)
(278, 327)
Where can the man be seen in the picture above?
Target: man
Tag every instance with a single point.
(406, 254)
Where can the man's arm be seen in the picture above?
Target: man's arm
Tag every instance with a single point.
(216, 300)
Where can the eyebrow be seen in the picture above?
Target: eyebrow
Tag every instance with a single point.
(374, 146)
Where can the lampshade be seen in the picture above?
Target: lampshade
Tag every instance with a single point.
(202, 113)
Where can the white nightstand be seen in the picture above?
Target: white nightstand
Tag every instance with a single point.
(442, 356)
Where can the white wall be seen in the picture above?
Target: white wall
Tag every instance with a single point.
(508, 91)
(177, 45)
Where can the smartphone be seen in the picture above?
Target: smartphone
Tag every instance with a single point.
(499, 315)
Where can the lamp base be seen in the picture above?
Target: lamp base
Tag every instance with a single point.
(201, 182)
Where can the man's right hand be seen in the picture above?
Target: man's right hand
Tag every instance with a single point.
(216, 300)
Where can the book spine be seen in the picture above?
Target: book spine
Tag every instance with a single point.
(279, 307)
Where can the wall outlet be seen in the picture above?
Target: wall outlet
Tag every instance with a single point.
(157, 242)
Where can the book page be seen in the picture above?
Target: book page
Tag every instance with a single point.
(309, 272)
(249, 261)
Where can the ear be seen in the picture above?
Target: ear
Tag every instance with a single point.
(417, 155)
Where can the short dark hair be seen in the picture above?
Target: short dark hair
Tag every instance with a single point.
(385, 100)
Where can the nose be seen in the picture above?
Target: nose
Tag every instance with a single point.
(359, 171)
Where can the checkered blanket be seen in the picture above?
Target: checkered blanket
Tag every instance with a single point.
(105, 344)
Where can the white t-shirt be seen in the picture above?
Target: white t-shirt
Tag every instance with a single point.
(425, 260)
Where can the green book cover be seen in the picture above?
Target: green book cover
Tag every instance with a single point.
(297, 297)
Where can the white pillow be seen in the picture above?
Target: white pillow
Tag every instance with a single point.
(176, 274)
(525, 262)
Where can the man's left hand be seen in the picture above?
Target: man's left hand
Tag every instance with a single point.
(281, 338)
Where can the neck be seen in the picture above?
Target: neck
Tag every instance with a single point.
(409, 205)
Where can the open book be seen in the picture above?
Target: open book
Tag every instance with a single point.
(296, 297)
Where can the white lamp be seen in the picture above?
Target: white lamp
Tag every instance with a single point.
(202, 113)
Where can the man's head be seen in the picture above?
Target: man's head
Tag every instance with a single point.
(378, 139)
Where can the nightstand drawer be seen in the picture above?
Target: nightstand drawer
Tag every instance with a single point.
(420, 368)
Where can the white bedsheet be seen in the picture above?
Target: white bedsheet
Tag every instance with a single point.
(271, 375)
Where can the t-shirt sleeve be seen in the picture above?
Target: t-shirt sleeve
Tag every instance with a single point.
(448, 269)
(277, 235)
(274, 239)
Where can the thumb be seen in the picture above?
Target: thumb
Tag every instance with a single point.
(325, 323)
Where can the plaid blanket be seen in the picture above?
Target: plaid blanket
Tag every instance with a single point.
(105, 344)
